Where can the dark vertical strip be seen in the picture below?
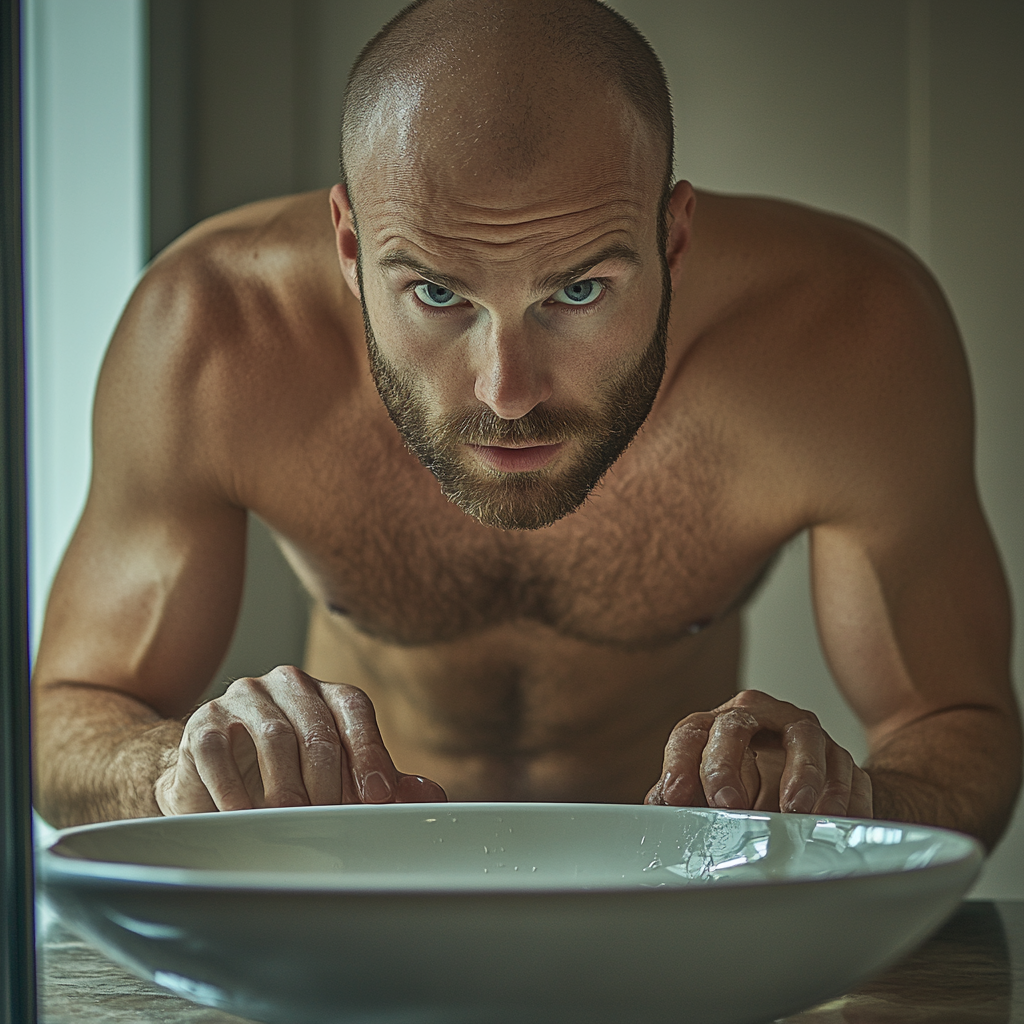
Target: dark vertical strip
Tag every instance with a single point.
(171, 105)
(18, 953)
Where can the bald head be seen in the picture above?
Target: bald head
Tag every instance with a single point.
(492, 87)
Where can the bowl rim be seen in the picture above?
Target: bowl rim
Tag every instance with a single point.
(58, 868)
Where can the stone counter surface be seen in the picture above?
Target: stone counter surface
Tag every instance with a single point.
(970, 972)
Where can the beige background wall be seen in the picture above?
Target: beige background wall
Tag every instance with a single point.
(906, 115)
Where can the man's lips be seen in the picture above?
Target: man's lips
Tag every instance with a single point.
(517, 458)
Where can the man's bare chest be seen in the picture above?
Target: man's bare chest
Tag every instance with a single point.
(654, 555)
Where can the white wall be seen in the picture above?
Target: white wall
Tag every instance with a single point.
(84, 202)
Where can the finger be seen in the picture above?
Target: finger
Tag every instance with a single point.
(206, 750)
(721, 768)
(243, 752)
(414, 789)
(861, 799)
(680, 783)
(180, 790)
(835, 794)
(803, 778)
(318, 745)
(373, 773)
(277, 748)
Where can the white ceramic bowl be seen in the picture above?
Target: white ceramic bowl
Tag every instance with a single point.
(506, 913)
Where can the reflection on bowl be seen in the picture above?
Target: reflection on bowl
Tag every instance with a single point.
(478, 913)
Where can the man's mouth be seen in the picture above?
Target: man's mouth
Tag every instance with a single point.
(517, 458)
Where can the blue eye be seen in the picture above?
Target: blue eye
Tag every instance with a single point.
(579, 293)
(434, 295)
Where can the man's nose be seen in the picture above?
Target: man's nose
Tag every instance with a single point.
(511, 380)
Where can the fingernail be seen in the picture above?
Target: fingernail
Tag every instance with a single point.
(803, 802)
(728, 797)
(376, 789)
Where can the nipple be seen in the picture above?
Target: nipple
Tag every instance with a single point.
(699, 626)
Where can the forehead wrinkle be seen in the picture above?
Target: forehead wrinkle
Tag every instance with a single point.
(564, 231)
(502, 212)
(543, 241)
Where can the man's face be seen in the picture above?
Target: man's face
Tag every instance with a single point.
(484, 463)
(516, 324)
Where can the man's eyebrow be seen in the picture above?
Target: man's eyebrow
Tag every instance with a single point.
(616, 251)
(399, 259)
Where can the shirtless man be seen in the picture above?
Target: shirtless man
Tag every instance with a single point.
(509, 267)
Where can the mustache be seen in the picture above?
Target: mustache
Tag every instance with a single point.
(539, 426)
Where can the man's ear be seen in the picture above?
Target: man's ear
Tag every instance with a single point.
(681, 205)
(345, 237)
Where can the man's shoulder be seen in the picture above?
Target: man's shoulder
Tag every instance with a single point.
(231, 329)
(243, 287)
(252, 262)
(810, 287)
(835, 354)
(781, 248)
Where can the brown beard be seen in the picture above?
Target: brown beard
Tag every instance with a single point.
(532, 499)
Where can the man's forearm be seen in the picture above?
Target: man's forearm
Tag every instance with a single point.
(98, 754)
(960, 769)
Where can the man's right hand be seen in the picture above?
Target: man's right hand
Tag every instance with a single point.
(285, 739)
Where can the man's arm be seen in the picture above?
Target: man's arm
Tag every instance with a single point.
(147, 595)
(917, 633)
(912, 605)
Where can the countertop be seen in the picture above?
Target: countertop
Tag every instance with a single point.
(970, 972)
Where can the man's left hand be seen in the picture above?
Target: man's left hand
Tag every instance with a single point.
(758, 753)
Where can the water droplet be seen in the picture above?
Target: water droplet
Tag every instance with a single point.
(516, 868)
(486, 850)
(534, 867)
(485, 871)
